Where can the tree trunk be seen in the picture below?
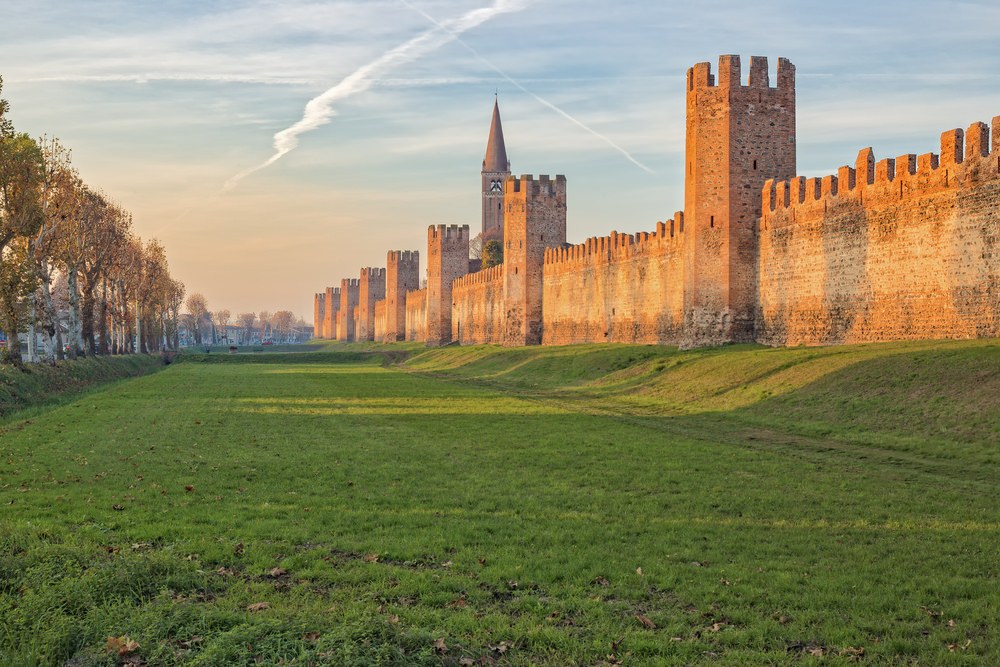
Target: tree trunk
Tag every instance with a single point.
(32, 336)
(87, 322)
(74, 313)
(103, 314)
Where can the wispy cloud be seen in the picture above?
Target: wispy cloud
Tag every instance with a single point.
(319, 110)
(520, 87)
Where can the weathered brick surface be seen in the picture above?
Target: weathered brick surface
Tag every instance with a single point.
(621, 288)
(416, 315)
(402, 274)
(478, 313)
(331, 308)
(737, 137)
(319, 310)
(380, 320)
(909, 251)
(371, 288)
(447, 259)
(534, 219)
(346, 317)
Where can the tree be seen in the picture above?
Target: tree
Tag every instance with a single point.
(476, 246)
(222, 323)
(282, 324)
(245, 321)
(264, 325)
(198, 308)
(21, 176)
(492, 253)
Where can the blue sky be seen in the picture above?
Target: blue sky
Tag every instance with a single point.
(163, 103)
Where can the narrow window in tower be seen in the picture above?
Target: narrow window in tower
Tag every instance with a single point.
(711, 221)
(755, 165)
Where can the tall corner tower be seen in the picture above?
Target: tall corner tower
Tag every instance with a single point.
(738, 137)
(536, 220)
(496, 169)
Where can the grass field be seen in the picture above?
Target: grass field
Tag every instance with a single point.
(557, 506)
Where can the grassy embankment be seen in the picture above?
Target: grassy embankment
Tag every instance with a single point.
(533, 506)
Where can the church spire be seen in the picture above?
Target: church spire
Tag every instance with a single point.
(496, 153)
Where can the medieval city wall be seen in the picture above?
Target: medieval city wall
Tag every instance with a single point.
(900, 249)
(621, 288)
(477, 315)
(416, 315)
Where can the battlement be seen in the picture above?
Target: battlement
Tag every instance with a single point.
(403, 257)
(490, 275)
(730, 75)
(618, 245)
(966, 158)
(349, 282)
(371, 273)
(447, 232)
(527, 185)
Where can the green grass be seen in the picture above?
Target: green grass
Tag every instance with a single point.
(524, 506)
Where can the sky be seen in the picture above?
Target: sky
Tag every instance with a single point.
(382, 109)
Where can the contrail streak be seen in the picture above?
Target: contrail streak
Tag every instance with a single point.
(550, 105)
(319, 110)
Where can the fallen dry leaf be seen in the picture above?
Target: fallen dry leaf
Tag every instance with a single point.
(716, 627)
(501, 648)
(370, 558)
(638, 571)
(278, 572)
(646, 621)
(258, 606)
(118, 508)
(458, 603)
(189, 488)
(238, 549)
(440, 646)
(121, 645)
(601, 581)
(311, 636)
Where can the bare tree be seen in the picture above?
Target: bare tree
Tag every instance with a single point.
(246, 322)
(282, 324)
(264, 325)
(198, 308)
(222, 323)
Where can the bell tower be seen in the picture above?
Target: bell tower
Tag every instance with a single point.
(496, 169)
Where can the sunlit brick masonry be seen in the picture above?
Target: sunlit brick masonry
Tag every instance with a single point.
(888, 249)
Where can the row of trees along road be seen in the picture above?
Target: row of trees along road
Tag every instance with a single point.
(71, 266)
(205, 326)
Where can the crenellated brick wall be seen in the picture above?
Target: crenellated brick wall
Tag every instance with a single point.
(477, 316)
(621, 288)
(895, 249)
(884, 250)
(416, 315)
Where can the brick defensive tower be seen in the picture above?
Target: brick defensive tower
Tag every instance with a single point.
(331, 308)
(447, 259)
(371, 288)
(319, 310)
(348, 304)
(738, 137)
(535, 219)
(402, 274)
(496, 170)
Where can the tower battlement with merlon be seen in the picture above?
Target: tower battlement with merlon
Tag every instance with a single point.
(730, 75)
